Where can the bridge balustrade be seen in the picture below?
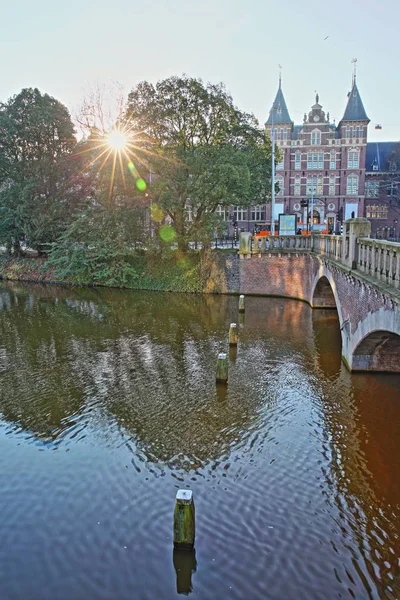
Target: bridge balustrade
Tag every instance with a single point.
(262, 244)
(380, 259)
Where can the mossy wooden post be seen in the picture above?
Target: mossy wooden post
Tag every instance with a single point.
(184, 520)
(233, 335)
(241, 303)
(222, 368)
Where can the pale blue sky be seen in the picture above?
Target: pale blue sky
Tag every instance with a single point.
(62, 48)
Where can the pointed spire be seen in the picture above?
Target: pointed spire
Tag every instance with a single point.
(355, 110)
(279, 108)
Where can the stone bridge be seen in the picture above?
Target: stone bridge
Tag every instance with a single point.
(352, 273)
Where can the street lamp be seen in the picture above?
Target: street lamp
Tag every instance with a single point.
(273, 173)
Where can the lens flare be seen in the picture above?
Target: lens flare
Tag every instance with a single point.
(117, 140)
(167, 233)
(141, 184)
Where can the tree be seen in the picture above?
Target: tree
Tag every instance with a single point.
(203, 151)
(40, 180)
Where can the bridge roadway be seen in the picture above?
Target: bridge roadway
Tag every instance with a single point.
(358, 276)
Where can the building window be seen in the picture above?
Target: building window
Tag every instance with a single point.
(280, 164)
(258, 213)
(392, 166)
(392, 189)
(316, 137)
(279, 181)
(315, 161)
(332, 160)
(372, 189)
(348, 131)
(297, 161)
(239, 214)
(352, 185)
(361, 131)
(332, 186)
(354, 135)
(284, 133)
(314, 185)
(297, 186)
(222, 212)
(353, 159)
(377, 212)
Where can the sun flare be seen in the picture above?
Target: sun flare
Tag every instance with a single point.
(117, 140)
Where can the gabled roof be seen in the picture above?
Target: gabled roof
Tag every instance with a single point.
(378, 155)
(355, 110)
(281, 113)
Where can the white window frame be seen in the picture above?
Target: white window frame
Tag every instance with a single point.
(332, 160)
(315, 160)
(352, 185)
(332, 185)
(239, 214)
(222, 212)
(258, 213)
(353, 159)
(314, 185)
(297, 186)
(316, 137)
(297, 161)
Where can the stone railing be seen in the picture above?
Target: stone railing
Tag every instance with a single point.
(261, 244)
(333, 246)
(379, 259)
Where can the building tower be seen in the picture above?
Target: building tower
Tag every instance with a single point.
(279, 120)
(352, 130)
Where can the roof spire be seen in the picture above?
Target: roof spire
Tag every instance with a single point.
(354, 62)
(279, 113)
(280, 75)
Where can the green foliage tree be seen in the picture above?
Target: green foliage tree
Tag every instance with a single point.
(203, 151)
(40, 181)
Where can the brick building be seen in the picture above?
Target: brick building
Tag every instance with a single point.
(324, 168)
(382, 188)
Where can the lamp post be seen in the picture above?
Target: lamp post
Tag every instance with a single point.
(273, 172)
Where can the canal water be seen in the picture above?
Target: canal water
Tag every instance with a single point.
(108, 405)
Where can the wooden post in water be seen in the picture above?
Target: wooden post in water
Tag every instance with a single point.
(241, 303)
(233, 335)
(184, 520)
(222, 368)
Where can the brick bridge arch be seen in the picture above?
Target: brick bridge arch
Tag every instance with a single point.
(368, 310)
(371, 343)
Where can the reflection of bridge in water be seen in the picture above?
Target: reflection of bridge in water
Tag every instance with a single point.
(358, 276)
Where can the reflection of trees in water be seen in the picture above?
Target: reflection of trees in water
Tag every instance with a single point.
(146, 359)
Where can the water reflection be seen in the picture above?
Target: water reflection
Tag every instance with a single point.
(185, 565)
(294, 462)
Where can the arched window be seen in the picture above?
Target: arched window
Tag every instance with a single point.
(352, 185)
(316, 137)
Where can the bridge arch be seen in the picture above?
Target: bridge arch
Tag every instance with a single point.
(323, 295)
(375, 344)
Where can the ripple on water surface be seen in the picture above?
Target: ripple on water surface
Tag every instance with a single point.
(109, 405)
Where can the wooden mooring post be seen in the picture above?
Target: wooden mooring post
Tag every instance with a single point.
(233, 334)
(241, 303)
(184, 520)
(222, 368)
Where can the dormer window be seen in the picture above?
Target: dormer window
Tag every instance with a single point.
(316, 137)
